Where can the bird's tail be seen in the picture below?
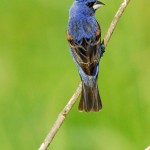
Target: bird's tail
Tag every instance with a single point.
(90, 98)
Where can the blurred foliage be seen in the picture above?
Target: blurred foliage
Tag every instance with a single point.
(38, 77)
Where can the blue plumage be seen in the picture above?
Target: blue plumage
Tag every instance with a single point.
(84, 37)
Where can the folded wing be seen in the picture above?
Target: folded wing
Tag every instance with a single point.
(86, 52)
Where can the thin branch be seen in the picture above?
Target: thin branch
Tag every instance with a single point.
(148, 148)
(115, 21)
(61, 117)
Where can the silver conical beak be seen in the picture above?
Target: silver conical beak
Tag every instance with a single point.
(97, 4)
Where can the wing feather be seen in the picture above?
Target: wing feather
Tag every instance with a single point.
(86, 52)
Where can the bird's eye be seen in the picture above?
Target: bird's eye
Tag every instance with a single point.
(90, 4)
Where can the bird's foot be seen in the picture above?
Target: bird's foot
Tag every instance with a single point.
(102, 48)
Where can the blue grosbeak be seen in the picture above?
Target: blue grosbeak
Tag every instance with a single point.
(84, 37)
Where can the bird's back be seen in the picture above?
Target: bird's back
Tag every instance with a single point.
(85, 35)
(82, 27)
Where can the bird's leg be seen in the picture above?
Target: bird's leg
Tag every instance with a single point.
(102, 48)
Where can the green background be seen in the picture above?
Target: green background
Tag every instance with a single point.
(38, 77)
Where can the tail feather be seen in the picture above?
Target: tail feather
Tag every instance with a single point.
(90, 99)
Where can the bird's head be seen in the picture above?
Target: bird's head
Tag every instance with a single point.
(86, 7)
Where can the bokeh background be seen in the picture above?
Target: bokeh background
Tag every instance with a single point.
(38, 77)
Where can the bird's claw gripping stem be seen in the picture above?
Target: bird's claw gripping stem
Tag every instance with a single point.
(102, 48)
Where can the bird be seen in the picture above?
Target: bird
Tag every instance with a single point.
(86, 49)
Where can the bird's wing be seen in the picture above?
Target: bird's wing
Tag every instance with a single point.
(86, 52)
